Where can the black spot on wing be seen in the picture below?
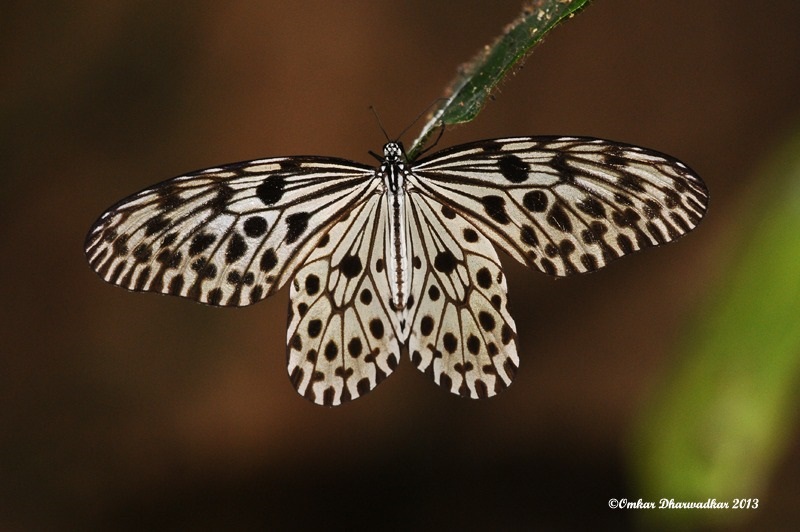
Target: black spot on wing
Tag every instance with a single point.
(513, 168)
(290, 165)
(614, 157)
(354, 347)
(351, 266)
(297, 342)
(331, 350)
(214, 296)
(270, 191)
(256, 294)
(528, 235)
(169, 259)
(558, 218)
(156, 225)
(176, 285)
(200, 243)
(268, 260)
(366, 296)
(622, 199)
(470, 235)
(626, 218)
(652, 208)
(548, 267)
(445, 262)
(169, 198)
(495, 207)
(142, 253)
(297, 224)
(535, 201)
(236, 248)
(625, 244)
(565, 172)
(204, 269)
(589, 262)
(671, 199)
(450, 342)
(255, 226)
(314, 328)
(434, 293)
(426, 325)
(222, 199)
(491, 146)
(486, 320)
(376, 328)
(363, 386)
(484, 278)
(473, 344)
(566, 247)
(506, 334)
(592, 207)
(144, 276)
(630, 182)
(312, 284)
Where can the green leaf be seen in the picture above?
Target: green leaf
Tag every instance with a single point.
(719, 427)
(477, 79)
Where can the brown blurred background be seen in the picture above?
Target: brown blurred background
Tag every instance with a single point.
(122, 410)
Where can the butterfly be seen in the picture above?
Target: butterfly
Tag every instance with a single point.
(398, 257)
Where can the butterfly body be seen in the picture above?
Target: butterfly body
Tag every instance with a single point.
(393, 171)
(400, 257)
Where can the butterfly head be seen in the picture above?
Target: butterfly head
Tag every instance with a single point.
(393, 152)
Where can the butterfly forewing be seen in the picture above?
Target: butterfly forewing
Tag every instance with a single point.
(225, 236)
(566, 205)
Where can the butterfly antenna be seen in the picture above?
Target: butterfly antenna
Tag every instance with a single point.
(423, 113)
(435, 142)
(378, 120)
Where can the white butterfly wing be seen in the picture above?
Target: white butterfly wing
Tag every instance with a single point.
(566, 205)
(230, 235)
(462, 335)
(343, 336)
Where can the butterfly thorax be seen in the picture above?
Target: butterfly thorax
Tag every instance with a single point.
(393, 167)
(393, 170)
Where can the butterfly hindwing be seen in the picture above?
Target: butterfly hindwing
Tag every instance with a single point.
(343, 335)
(461, 334)
(566, 205)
